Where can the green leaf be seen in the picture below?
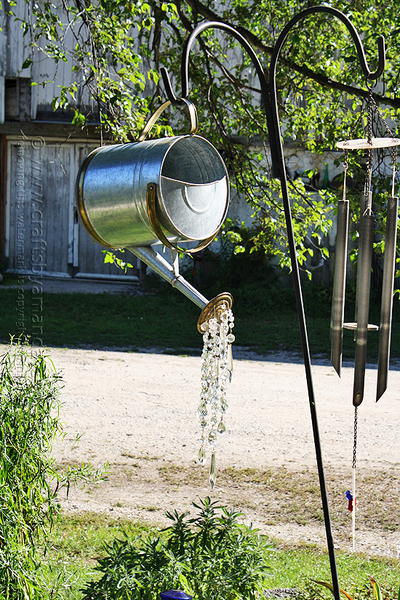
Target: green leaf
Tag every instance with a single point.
(376, 589)
(27, 63)
(108, 257)
(330, 587)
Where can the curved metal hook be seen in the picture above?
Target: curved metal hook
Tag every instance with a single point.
(372, 75)
(352, 30)
(278, 166)
(185, 60)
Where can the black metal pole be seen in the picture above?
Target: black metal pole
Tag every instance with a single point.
(270, 103)
(280, 171)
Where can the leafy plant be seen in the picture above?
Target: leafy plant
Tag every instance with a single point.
(210, 555)
(29, 386)
(376, 590)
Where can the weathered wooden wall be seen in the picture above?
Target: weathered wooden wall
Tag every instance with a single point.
(46, 74)
(39, 228)
(43, 235)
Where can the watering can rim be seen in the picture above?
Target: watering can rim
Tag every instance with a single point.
(226, 177)
(189, 184)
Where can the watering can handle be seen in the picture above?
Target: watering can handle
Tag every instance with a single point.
(194, 122)
(152, 214)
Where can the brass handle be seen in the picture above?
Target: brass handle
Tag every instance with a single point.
(194, 122)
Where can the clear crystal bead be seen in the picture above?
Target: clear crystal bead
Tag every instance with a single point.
(201, 457)
(221, 427)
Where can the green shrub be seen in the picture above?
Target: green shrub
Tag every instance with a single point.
(28, 423)
(209, 556)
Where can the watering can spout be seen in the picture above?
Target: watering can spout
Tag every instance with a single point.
(164, 269)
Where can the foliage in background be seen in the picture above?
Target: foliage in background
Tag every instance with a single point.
(209, 556)
(29, 422)
(116, 48)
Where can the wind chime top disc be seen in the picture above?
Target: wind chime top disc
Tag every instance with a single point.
(364, 144)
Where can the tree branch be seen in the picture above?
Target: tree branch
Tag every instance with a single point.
(320, 78)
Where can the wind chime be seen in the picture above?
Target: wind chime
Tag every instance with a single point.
(370, 145)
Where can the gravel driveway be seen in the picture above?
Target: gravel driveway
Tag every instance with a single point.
(137, 412)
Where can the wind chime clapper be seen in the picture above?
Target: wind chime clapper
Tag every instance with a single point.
(364, 265)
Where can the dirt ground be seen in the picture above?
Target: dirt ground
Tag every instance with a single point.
(137, 412)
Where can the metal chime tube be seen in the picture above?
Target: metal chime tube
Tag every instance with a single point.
(387, 295)
(339, 285)
(362, 303)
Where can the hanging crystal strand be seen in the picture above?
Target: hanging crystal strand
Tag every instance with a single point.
(203, 406)
(215, 328)
(215, 376)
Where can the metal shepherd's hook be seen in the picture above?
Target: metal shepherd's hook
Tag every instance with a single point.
(270, 103)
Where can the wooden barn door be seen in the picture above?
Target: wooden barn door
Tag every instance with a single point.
(39, 207)
(43, 232)
(88, 255)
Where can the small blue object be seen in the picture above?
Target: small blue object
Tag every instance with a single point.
(349, 495)
(174, 595)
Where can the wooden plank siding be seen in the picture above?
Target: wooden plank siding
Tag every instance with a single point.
(15, 48)
(40, 154)
(51, 76)
(3, 196)
(38, 207)
(18, 45)
(43, 231)
(3, 63)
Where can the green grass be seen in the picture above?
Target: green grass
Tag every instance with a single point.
(78, 540)
(293, 567)
(266, 319)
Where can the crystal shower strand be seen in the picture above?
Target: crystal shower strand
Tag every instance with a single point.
(216, 371)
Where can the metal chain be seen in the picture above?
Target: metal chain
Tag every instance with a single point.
(372, 100)
(388, 130)
(370, 115)
(355, 434)
(368, 182)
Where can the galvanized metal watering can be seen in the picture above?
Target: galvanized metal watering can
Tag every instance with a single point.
(171, 190)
